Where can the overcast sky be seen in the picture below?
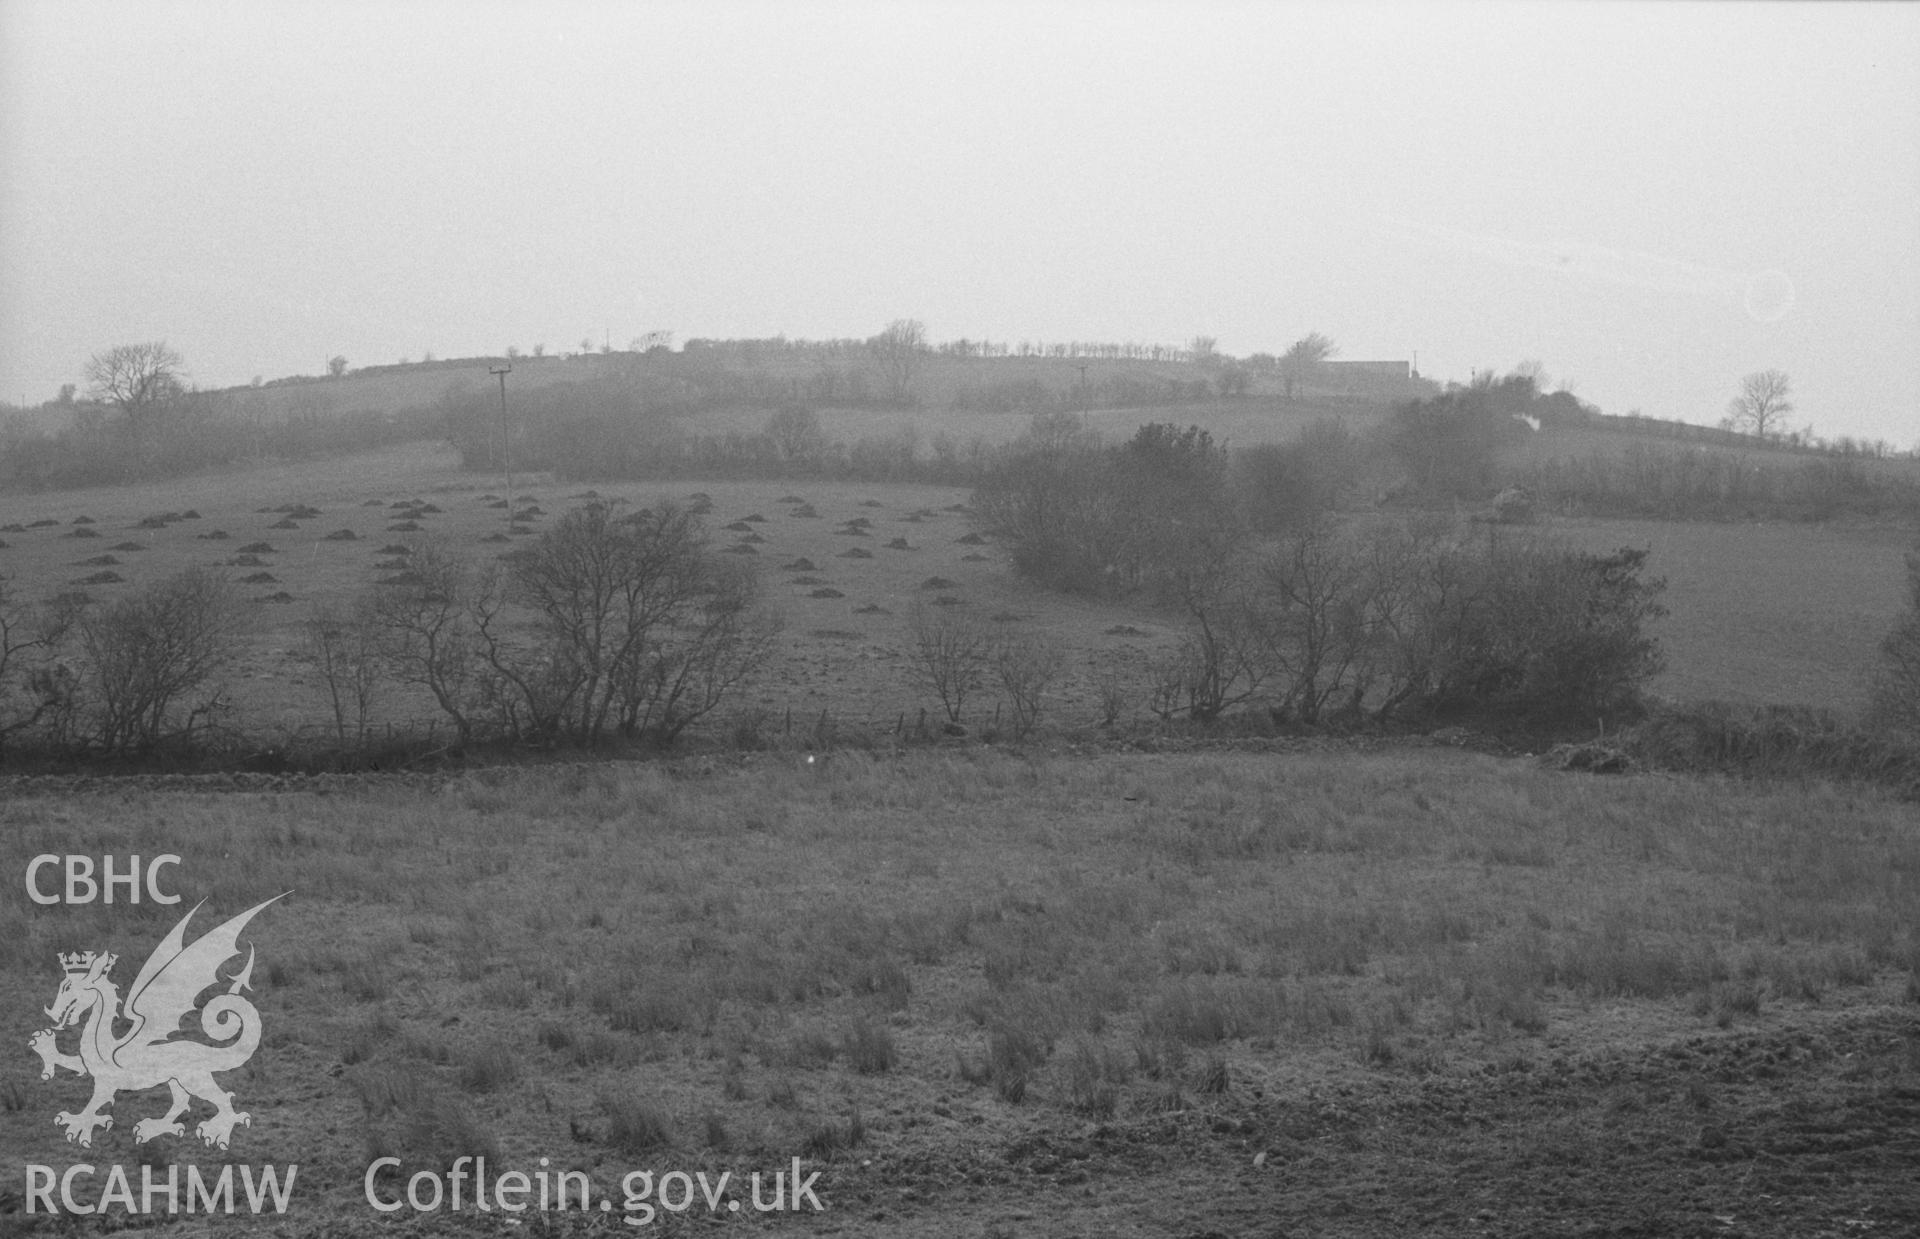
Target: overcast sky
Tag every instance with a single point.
(1651, 200)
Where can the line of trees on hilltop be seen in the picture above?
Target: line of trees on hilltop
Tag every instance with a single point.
(749, 351)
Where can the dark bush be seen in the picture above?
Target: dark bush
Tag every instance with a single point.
(1554, 635)
(1449, 445)
(1896, 692)
(1285, 486)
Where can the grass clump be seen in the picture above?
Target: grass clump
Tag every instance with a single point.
(636, 1125)
(1092, 1075)
(828, 1138)
(1015, 1051)
(869, 1047)
(489, 1067)
(409, 1118)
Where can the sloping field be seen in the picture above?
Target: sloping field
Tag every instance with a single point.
(843, 562)
(1760, 613)
(1574, 442)
(1766, 613)
(1324, 992)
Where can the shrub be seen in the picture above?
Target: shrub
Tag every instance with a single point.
(1283, 486)
(949, 652)
(426, 633)
(1392, 618)
(1789, 741)
(345, 646)
(156, 653)
(797, 436)
(1027, 667)
(1317, 590)
(636, 627)
(1413, 617)
(1052, 500)
(36, 686)
(1896, 693)
(1449, 445)
(1554, 634)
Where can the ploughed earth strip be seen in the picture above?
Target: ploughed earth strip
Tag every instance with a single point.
(1805, 1130)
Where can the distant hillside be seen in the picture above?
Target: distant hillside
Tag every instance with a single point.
(1584, 461)
(834, 375)
(1570, 431)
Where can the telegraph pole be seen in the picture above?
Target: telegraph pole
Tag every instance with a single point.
(506, 458)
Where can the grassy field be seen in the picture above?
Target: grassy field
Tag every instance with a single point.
(843, 588)
(1760, 613)
(998, 994)
(1339, 989)
(1574, 442)
(1766, 613)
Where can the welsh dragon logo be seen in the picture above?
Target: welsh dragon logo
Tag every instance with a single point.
(149, 1053)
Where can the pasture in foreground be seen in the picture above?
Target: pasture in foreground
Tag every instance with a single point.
(1323, 991)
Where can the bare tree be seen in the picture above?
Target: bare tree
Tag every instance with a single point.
(633, 625)
(719, 641)
(949, 653)
(900, 349)
(599, 587)
(1028, 666)
(34, 683)
(152, 651)
(427, 632)
(1227, 653)
(1762, 406)
(346, 646)
(135, 378)
(1113, 685)
(1315, 591)
(797, 435)
(1302, 360)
